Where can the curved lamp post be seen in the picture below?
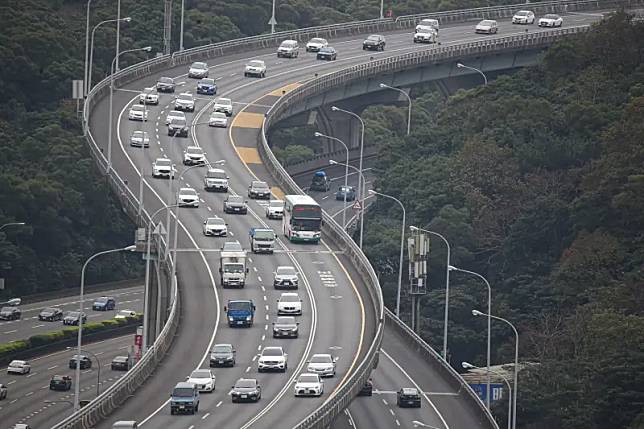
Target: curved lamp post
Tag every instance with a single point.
(346, 174)
(468, 365)
(382, 85)
(91, 49)
(463, 66)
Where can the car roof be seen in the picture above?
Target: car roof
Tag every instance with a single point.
(184, 385)
(18, 362)
(409, 391)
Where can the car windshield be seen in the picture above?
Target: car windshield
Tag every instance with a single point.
(305, 224)
(306, 378)
(73, 314)
(188, 191)
(58, 378)
(183, 392)
(224, 101)
(245, 384)
(201, 373)
(138, 107)
(185, 97)
(289, 320)
(425, 29)
(271, 351)
(178, 122)
(222, 349)
(164, 162)
(47, 310)
(317, 40)
(120, 359)
(207, 81)
(216, 221)
(200, 66)
(235, 199)
(373, 37)
(234, 268)
(216, 174)
(259, 185)
(176, 114)
(410, 392)
(288, 44)
(6, 309)
(522, 13)
(486, 22)
(238, 305)
(166, 80)
(321, 359)
(327, 49)
(256, 63)
(194, 150)
(218, 115)
(286, 271)
(289, 298)
(276, 203)
(138, 134)
(551, 16)
(102, 300)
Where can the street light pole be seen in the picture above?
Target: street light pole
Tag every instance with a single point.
(110, 125)
(382, 85)
(80, 318)
(361, 177)
(516, 361)
(489, 326)
(463, 66)
(382, 7)
(118, 32)
(447, 269)
(468, 365)
(91, 49)
(183, 7)
(402, 247)
(85, 86)
(11, 224)
(361, 184)
(346, 175)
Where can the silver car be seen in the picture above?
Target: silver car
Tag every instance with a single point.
(140, 139)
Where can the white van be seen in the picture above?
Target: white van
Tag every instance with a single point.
(130, 424)
(428, 22)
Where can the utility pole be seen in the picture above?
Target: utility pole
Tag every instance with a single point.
(167, 27)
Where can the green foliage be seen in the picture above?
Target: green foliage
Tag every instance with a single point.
(292, 154)
(537, 182)
(13, 346)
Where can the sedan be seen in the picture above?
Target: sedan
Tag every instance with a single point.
(289, 303)
(198, 70)
(138, 113)
(258, 189)
(174, 114)
(124, 314)
(255, 68)
(523, 17)
(10, 313)
(408, 397)
(551, 20)
(375, 42)
(204, 379)
(309, 385)
(487, 26)
(285, 327)
(235, 204)
(188, 197)
(347, 192)
(222, 355)
(50, 314)
(327, 53)
(19, 367)
(315, 44)
(218, 119)
(165, 84)
(120, 363)
(140, 139)
(246, 389)
(85, 362)
(322, 364)
(215, 227)
(73, 317)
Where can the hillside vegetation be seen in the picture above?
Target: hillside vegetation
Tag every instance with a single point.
(537, 181)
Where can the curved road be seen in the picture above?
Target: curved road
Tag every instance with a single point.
(334, 317)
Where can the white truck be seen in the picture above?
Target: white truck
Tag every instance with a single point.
(232, 265)
(262, 240)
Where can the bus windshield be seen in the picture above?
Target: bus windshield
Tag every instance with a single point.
(307, 212)
(305, 224)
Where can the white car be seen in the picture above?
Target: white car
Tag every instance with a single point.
(215, 226)
(124, 314)
(216, 179)
(163, 167)
(188, 197)
(149, 96)
(204, 379)
(198, 70)
(288, 48)
(429, 22)
(322, 364)
(425, 35)
(224, 105)
(255, 68)
(185, 101)
(140, 139)
(272, 359)
(275, 209)
(289, 304)
(550, 20)
(19, 367)
(174, 114)
(218, 119)
(523, 17)
(309, 385)
(315, 44)
(194, 155)
(487, 26)
(285, 277)
(138, 113)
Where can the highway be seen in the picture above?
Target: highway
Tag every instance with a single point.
(25, 402)
(335, 318)
(28, 325)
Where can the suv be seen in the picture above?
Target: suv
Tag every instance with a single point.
(235, 204)
(104, 303)
(272, 358)
(148, 96)
(215, 180)
(50, 314)
(60, 382)
(222, 355)
(10, 313)
(165, 84)
(207, 86)
(85, 362)
(198, 70)
(428, 22)
(424, 35)
(73, 317)
(178, 128)
(120, 363)
(408, 397)
(185, 102)
(275, 209)
(163, 167)
(258, 189)
(488, 26)
(194, 155)
(255, 68)
(246, 389)
(285, 277)
(375, 42)
(184, 398)
(288, 48)
(19, 367)
(223, 105)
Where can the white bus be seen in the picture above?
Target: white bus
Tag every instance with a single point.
(302, 218)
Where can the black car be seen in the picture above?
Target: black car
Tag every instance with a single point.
(408, 397)
(60, 382)
(235, 204)
(258, 189)
(120, 363)
(375, 42)
(85, 362)
(285, 327)
(327, 53)
(3, 392)
(50, 314)
(10, 313)
(367, 389)
(246, 390)
(178, 128)
(72, 318)
(165, 84)
(222, 355)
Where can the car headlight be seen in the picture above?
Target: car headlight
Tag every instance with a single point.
(248, 318)
(231, 318)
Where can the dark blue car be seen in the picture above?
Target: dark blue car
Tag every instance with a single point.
(327, 53)
(345, 190)
(104, 303)
(207, 86)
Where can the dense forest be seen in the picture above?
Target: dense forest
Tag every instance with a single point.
(537, 181)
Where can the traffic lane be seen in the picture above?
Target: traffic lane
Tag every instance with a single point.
(25, 401)
(28, 325)
(437, 385)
